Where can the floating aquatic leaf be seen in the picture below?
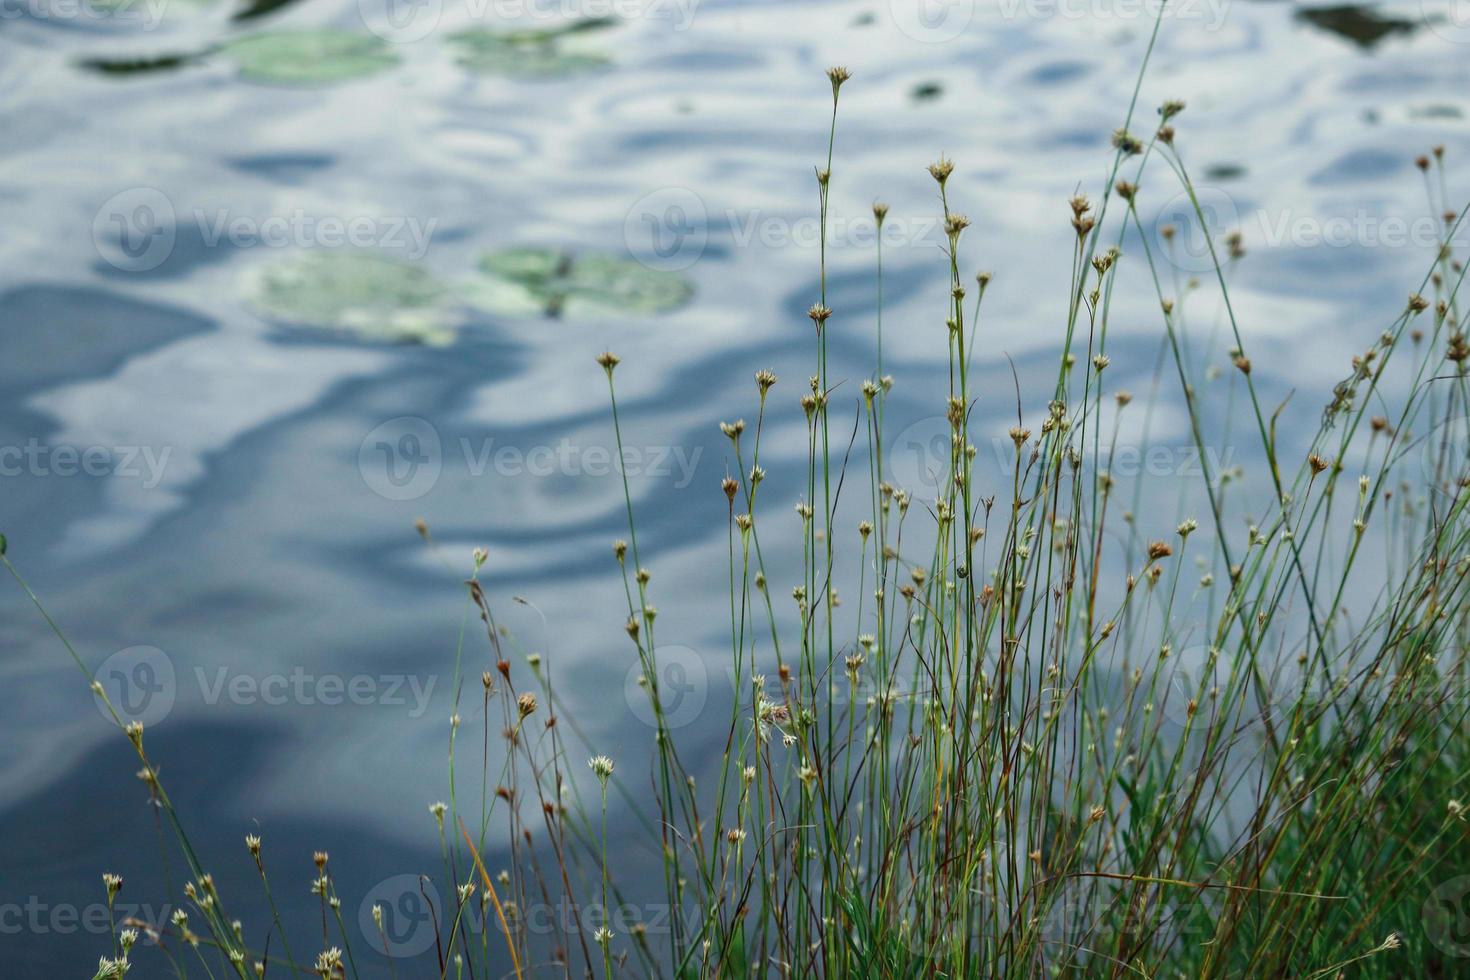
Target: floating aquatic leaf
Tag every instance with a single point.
(309, 57)
(142, 66)
(528, 53)
(1224, 171)
(927, 91)
(251, 9)
(1360, 24)
(354, 292)
(524, 281)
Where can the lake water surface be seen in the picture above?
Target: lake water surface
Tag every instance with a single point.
(218, 504)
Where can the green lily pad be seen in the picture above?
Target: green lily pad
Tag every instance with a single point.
(309, 57)
(356, 293)
(527, 281)
(528, 53)
(119, 67)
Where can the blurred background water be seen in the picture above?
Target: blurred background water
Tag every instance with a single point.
(217, 499)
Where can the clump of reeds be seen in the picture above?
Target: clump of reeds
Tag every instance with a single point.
(1058, 735)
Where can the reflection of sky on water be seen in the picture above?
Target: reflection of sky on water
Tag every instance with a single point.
(263, 551)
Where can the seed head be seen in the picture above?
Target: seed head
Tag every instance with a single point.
(941, 169)
(1124, 142)
(608, 360)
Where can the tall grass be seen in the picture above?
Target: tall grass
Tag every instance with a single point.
(1058, 735)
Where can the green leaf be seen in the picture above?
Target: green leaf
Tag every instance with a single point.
(524, 281)
(527, 54)
(357, 293)
(309, 57)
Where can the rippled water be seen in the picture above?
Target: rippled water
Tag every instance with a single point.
(227, 541)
